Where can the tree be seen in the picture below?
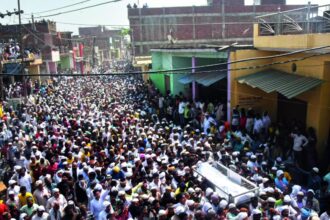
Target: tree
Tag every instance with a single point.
(125, 32)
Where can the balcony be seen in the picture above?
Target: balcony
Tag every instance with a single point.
(302, 28)
(31, 59)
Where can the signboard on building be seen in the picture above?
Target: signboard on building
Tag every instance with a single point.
(55, 56)
(249, 101)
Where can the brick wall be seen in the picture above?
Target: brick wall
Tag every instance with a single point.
(196, 25)
(231, 2)
(273, 2)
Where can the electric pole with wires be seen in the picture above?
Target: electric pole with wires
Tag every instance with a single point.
(22, 69)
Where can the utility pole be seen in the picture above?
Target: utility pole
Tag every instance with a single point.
(33, 24)
(223, 33)
(93, 51)
(22, 51)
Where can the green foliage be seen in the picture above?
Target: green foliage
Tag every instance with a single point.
(125, 31)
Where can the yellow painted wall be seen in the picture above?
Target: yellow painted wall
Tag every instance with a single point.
(34, 70)
(241, 94)
(297, 41)
(145, 69)
(318, 99)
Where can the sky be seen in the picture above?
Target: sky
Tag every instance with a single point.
(109, 14)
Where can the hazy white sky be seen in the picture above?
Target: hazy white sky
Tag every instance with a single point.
(112, 14)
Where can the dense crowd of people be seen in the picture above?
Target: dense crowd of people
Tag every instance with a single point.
(12, 50)
(112, 147)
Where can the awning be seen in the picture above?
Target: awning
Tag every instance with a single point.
(206, 79)
(289, 85)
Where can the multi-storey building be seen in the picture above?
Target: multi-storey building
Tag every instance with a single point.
(219, 22)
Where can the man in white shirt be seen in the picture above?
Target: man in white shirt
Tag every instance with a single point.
(41, 194)
(96, 205)
(55, 213)
(182, 105)
(24, 179)
(161, 103)
(287, 205)
(266, 121)
(13, 187)
(104, 215)
(57, 197)
(41, 214)
(12, 199)
(299, 141)
(155, 183)
(258, 125)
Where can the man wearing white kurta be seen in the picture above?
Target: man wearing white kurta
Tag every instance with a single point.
(57, 197)
(96, 205)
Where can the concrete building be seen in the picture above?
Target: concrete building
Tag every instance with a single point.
(221, 22)
(81, 64)
(295, 87)
(63, 40)
(108, 44)
(37, 37)
(184, 81)
(291, 87)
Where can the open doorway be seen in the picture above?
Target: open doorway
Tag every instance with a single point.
(167, 83)
(215, 92)
(291, 111)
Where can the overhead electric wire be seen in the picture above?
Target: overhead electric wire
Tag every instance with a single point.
(220, 64)
(96, 25)
(66, 6)
(227, 63)
(78, 9)
(36, 36)
(246, 60)
(171, 71)
(68, 39)
(167, 24)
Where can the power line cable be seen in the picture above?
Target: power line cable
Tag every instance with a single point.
(78, 9)
(245, 60)
(55, 9)
(96, 25)
(171, 71)
(168, 24)
(36, 36)
(218, 64)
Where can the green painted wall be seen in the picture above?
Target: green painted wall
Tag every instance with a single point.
(208, 61)
(175, 60)
(156, 61)
(160, 61)
(177, 87)
(65, 62)
(159, 82)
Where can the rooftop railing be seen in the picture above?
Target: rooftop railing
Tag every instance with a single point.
(306, 20)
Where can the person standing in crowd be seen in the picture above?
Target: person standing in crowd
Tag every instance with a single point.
(299, 142)
(182, 106)
(97, 148)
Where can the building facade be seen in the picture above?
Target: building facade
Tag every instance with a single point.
(291, 87)
(186, 82)
(38, 39)
(64, 42)
(220, 22)
(285, 72)
(102, 45)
